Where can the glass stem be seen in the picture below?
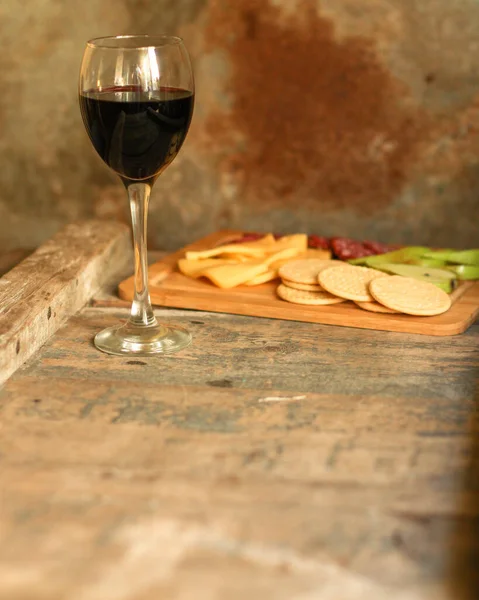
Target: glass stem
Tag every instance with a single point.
(141, 312)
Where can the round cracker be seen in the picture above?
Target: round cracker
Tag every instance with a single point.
(349, 282)
(410, 296)
(305, 297)
(376, 307)
(305, 270)
(309, 287)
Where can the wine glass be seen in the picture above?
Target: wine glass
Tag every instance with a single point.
(136, 96)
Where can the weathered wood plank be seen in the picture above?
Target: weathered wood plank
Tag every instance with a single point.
(270, 459)
(401, 448)
(378, 511)
(274, 355)
(40, 293)
(375, 507)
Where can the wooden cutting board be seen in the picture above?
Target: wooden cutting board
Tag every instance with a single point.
(168, 287)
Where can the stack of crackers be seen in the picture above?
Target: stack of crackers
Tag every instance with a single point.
(323, 282)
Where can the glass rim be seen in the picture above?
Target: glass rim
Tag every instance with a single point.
(152, 41)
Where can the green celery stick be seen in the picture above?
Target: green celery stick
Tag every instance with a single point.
(427, 262)
(465, 272)
(459, 257)
(397, 256)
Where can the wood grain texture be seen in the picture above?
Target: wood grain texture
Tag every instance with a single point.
(169, 287)
(270, 460)
(41, 292)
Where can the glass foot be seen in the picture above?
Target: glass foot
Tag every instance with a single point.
(142, 341)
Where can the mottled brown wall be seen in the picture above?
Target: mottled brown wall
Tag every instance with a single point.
(334, 117)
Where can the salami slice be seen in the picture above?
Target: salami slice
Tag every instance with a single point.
(316, 241)
(345, 248)
(376, 247)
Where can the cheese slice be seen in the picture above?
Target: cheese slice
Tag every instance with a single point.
(297, 240)
(257, 248)
(195, 268)
(249, 263)
(229, 276)
(239, 258)
(266, 240)
(279, 263)
(269, 275)
(273, 262)
(286, 253)
(229, 249)
(269, 243)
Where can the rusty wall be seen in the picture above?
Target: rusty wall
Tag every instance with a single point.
(336, 117)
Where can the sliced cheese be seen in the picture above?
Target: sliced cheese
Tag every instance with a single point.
(239, 258)
(297, 240)
(195, 268)
(267, 240)
(249, 263)
(230, 249)
(229, 276)
(311, 253)
(257, 271)
(287, 253)
(257, 248)
(273, 262)
(269, 275)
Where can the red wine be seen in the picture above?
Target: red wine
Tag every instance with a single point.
(137, 133)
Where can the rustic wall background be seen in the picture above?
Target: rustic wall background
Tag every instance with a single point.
(326, 116)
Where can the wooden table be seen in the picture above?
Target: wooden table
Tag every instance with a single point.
(270, 460)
